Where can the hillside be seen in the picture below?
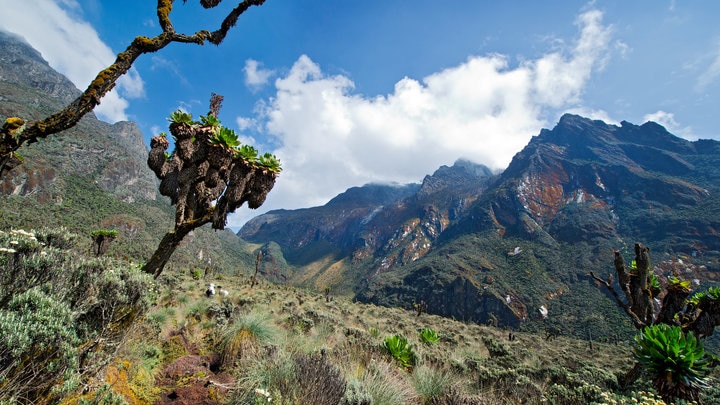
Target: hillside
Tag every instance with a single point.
(92, 176)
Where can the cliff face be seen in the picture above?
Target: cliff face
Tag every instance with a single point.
(113, 155)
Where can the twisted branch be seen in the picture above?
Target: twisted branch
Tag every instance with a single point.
(16, 132)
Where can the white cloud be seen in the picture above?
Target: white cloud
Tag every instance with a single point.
(667, 120)
(71, 46)
(484, 110)
(255, 76)
(711, 73)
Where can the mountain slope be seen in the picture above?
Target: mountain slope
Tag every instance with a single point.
(488, 248)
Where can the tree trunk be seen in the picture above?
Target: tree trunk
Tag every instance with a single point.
(631, 376)
(168, 244)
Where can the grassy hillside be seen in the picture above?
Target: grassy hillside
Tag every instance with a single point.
(301, 347)
(264, 341)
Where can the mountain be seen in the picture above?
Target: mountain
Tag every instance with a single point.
(92, 176)
(487, 247)
(397, 222)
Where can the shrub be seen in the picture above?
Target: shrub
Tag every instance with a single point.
(197, 274)
(399, 348)
(495, 348)
(676, 361)
(38, 339)
(60, 312)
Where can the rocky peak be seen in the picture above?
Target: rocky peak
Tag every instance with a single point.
(23, 65)
(113, 156)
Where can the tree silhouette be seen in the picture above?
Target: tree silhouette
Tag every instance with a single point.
(16, 132)
(206, 177)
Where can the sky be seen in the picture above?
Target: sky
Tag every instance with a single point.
(347, 93)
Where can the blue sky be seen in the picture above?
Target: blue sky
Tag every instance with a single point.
(348, 92)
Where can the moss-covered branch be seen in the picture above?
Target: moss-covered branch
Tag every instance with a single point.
(15, 132)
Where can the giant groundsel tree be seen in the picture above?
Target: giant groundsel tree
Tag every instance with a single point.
(208, 176)
(671, 321)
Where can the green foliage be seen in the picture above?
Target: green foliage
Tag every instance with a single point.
(709, 296)
(112, 233)
(675, 359)
(181, 117)
(270, 162)
(104, 396)
(209, 121)
(495, 348)
(676, 282)
(429, 336)
(225, 137)
(197, 274)
(655, 283)
(399, 348)
(248, 153)
(55, 300)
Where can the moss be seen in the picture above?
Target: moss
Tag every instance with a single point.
(173, 348)
(13, 123)
(163, 12)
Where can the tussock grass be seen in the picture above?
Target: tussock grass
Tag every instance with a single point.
(273, 339)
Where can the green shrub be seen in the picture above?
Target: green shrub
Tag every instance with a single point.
(429, 336)
(38, 339)
(55, 301)
(676, 361)
(495, 348)
(399, 348)
(197, 274)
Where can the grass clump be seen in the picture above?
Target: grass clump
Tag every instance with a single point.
(242, 336)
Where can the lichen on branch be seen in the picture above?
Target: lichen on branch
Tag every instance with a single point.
(106, 79)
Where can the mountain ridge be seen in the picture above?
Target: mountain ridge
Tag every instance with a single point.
(570, 197)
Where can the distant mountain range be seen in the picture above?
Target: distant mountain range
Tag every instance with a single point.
(480, 246)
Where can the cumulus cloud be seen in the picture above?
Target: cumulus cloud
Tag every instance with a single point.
(71, 46)
(255, 75)
(484, 110)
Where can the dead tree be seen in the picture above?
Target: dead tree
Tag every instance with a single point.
(16, 132)
(205, 181)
